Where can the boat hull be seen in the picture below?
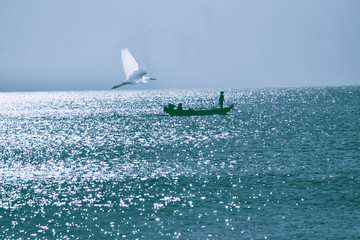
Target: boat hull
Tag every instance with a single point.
(191, 112)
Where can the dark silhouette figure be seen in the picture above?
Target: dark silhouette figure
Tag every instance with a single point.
(179, 107)
(221, 99)
(171, 106)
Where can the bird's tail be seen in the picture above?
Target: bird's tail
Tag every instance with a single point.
(120, 85)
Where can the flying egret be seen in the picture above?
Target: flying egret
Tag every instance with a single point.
(133, 74)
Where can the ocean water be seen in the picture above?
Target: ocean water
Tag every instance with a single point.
(284, 164)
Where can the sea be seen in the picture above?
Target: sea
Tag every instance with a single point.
(283, 164)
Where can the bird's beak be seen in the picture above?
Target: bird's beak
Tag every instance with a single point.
(152, 78)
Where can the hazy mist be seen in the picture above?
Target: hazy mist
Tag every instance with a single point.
(76, 44)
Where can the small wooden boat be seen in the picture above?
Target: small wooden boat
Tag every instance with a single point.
(191, 112)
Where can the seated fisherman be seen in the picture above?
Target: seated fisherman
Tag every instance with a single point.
(179, 107)
(171, 106)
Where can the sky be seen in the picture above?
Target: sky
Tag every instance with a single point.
(64, 45)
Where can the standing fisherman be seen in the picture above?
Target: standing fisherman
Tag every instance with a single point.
(221, 99)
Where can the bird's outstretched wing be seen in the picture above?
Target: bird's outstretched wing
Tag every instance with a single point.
(129, 63)
(120, 85)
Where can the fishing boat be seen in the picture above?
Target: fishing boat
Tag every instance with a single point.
(191, 112)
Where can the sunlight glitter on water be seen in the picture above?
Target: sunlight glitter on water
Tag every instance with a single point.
(111, 164)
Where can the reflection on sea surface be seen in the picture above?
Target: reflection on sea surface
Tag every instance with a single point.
(282, 164)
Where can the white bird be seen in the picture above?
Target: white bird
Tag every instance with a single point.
(133, 74)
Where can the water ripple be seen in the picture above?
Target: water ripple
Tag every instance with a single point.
(112, 165)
